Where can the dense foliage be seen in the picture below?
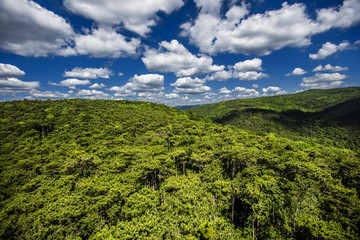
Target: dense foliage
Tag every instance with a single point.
(93, 169)
(330, 116)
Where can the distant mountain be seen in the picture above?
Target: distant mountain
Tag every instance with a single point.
(330, 116)
(183, 107)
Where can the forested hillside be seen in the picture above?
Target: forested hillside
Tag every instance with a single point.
(330, 116)
(95, 169)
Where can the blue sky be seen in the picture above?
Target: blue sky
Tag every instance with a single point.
(177, 52)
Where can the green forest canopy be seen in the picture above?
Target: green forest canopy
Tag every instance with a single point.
(96, 169)
(330, 117)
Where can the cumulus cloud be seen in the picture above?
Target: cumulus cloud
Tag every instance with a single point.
(323, 80)
(246, 92)
(250, 76)
(262, 33)
(344, 16)
(122, 91)
(297, 71)
(247, 70)
(209, 6)
(219, 76)
(271, 90)
(140, 84)
(9, 82)
(329, 67)
(172, 96)
(188, 85)
(135, 15)
(224, 90)
(249, 65)
(328, 49)
(48, 94)
(101, 43)
(146, 83)
(92, 94)
(150, 96)
(88, 73)
(13, 85)
(97, 86)
(71, 83)
(8, 70)
(257, 34)
(28, 29)
(174, 57)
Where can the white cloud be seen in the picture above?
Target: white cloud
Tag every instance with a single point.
(323, 80)
(136, 15)
(122, 91)
(101, 43)
(150, 96)
(228, 96)
(239, 89)
(71, 83)
(9, 82)
(97, 86)
(28, 29)
(8, 70)
(271, 90)
(344, 16)
(172, 96)
(219, 76)
(12, 85)
(328, 49)
(255, 85)
(247, 70)
(246, 92)
(48, 94)
(88, 73)
(209, 6)
(224, 90)
(146, 83)
(262, 33)
(297, 71)
(329, 67)
(92, 94)
(249, 65)
(188, 85)
(236, 13)
(174, 57)
(249, 76)
(258, 34)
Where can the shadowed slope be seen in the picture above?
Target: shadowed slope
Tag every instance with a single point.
(328, 116)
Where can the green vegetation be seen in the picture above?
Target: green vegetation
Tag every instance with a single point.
(330, 117)
(93, 169)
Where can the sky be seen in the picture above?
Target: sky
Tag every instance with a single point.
(176, 52)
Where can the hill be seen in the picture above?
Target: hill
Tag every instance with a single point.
(95, 169)
(330, 117)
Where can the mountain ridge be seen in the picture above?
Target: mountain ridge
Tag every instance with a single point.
(304, 115)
